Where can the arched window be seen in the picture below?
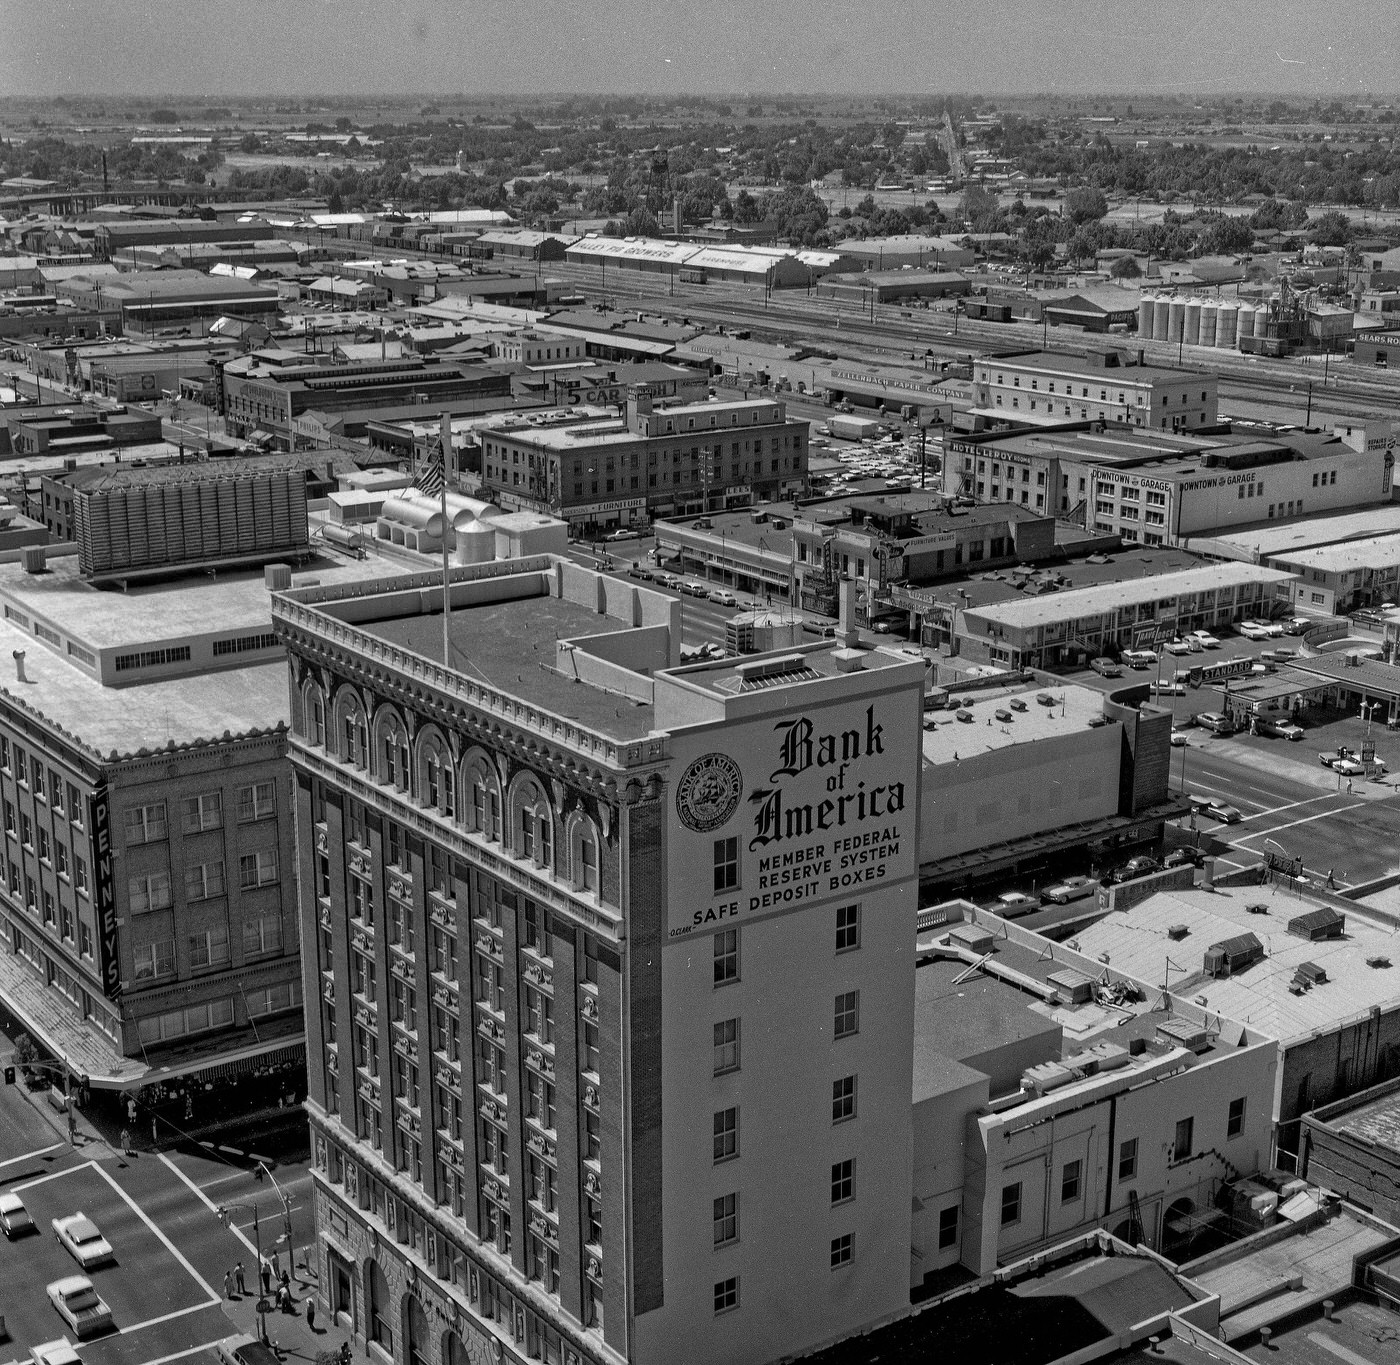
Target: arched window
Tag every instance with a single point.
(352, 729)
(583, 854)
(378, 1328)
(482, 792)
(393, 750)
(437, 786)
(532, 822)
(313, 711)
(415, 1331)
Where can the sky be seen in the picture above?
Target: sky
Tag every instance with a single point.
(210, 48)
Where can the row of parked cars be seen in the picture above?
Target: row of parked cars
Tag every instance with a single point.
(74, 1298)
(1011, 904)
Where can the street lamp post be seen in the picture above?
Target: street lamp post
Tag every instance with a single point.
(224, 1214)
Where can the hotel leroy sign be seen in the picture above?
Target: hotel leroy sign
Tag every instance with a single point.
(800, 809)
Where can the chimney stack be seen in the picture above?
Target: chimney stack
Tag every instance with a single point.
(19, 665)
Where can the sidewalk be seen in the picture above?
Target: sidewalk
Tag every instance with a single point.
(287, 1331)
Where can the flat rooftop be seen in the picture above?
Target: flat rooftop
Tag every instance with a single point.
(951, 739)
(1137, 942)
(1374, 552)
(510, 645)
(615, 431)
(1357, 1331)
(1277, 538)
(1323, 1256)
(1055, 362)
(968, 1019)
(166, 609)
(1111, 597)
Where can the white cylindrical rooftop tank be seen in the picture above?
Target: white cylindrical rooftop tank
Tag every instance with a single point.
(460, 509)
(1246, 322)
(1176, 319)
(1145, 317)
(1191, 330)
(412, 514)
(1161, 311)
(1226, 322)
(1209, 313)
(476, 543)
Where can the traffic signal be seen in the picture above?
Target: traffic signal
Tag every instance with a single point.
(9, 1075)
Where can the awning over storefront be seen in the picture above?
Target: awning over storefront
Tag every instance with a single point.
(270, 1055)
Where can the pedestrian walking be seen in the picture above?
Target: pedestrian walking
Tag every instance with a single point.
(72, 1127)
(286, 1279)
(266, 1277)
(311, 1313)
(228, 1284)
(276, 1264)
(131, 1111)
(238, 1278)
(189, 1107)
(126, 1141)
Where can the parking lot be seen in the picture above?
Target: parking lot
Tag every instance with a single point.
(150, 1283)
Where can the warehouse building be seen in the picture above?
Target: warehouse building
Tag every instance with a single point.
(892, 286)
(909, 249)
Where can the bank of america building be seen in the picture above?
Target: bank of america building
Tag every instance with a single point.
(608, 971)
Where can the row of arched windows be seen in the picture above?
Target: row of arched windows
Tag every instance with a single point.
(521, 817)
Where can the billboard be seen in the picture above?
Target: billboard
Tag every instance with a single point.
(802, 806)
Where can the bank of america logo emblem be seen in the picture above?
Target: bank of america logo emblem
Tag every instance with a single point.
(709, 792)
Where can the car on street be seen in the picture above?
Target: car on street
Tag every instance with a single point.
(1071, 889)
(640, 570)
(722, 597)
(79, 1305)
(1225, 812)
(625, 534)
(1106, 668)
(1354, 767)
(14, 1217)
(1013, 903)
(694, 587)
(58, 1352)
(1179, 738)
(1280, 729)
(1141, 866)
(79, 1236)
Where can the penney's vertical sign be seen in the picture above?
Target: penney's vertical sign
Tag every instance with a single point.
(796, 810)
(103, 898)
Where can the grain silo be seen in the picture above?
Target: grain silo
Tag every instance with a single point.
(1209, 315)
(1161, 311)
(1226, 322)
(1191, 330)
(1176, 319)
(1246, 322)
(1145, 317)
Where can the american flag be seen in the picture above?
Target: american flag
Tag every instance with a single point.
(429, 478)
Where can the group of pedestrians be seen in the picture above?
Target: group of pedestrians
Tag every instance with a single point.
(273, 1274)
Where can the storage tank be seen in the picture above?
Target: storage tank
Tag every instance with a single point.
(1191, 332)
(1209, 314)
(1226, 322)
(1246, 323)
(476, 543)
(406, 513)
(1262, 314)
(1176, 319)
(1145, 317)
(1161, 311)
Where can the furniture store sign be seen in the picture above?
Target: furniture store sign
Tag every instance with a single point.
(796, 810)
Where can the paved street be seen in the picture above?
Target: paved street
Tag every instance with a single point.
(166, 1289)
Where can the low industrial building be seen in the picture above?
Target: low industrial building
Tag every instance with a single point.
(1061, 627)
(522, 244)
(170, 300)
(891, 286)
(908, 249)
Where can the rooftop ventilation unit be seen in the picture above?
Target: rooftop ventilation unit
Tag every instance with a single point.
(1183, 1033)
(1318, 924)
(1232, 955)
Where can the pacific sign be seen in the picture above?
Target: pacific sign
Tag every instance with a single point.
(827, 819)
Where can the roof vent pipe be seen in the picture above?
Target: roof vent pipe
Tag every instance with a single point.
(19, 665)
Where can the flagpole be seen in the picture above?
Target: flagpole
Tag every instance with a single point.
(445, 437)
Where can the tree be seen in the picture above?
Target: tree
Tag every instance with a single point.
(1330, 229)
(1085, 204)
(977, 208)
(164, 116)
(1125, 268)
(799, 213)
(641, 222)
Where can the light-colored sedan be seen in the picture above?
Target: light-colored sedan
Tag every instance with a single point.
(58, 1352)
(78, 1304)
(1179, 739)
(1253, 630)
(14, 1217)
(1206, 639)
(80, 1236)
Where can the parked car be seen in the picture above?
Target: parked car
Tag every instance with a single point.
(1169, 687)
(1139, 658)
(1252, 630)
(58, 1352)
(640, 570)
(1329, 759)
(1296, 625)
(79, 1236)
(1012, 903)
(694, 587)
(78, 1304)
(626, 533)
(1071, 889)
(1178, 738)
(1225, 812)
(1279, 729)
(14, 1217)
(1141, 866)
(722, 597)
(666, 580)
(1177, 647)
(1206, 639)
(1106, 668)
(1182, 857)
(1215, 721)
